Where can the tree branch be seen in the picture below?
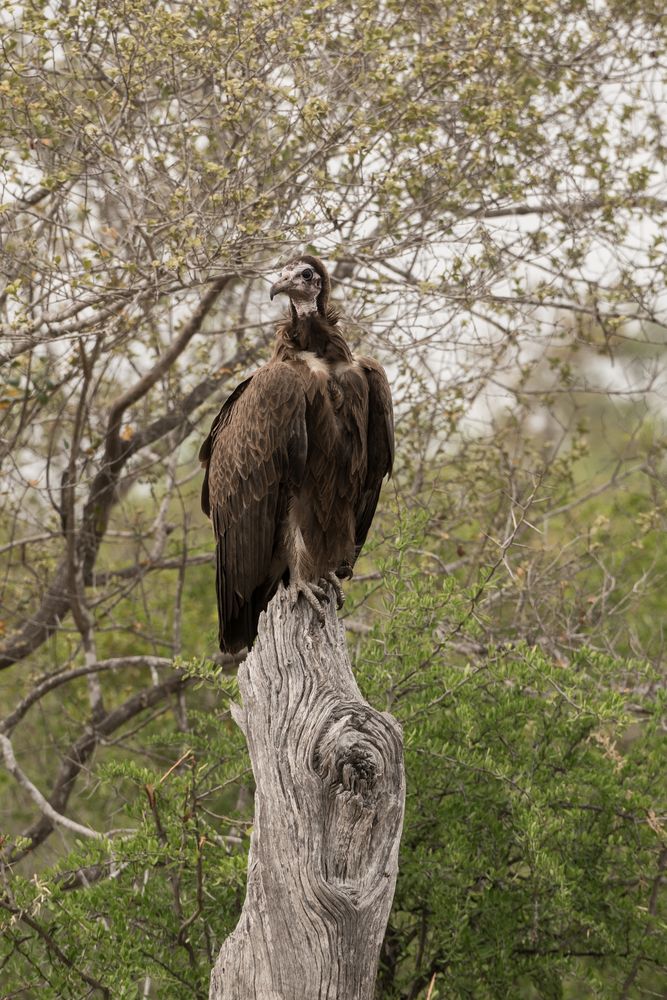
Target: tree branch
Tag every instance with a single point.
(79, 753)
(102, 494)
(53, 681)
(53, 947)
(44, 807)
(166, 360)
(328, 816)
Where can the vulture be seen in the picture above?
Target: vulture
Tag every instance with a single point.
(294, 462)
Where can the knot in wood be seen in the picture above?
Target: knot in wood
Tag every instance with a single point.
(348, 752)
(354, 767)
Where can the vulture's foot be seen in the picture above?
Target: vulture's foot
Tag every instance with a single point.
(333, 581)
(315, 595)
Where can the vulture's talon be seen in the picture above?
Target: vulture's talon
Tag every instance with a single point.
(334, 583)
(314, 595)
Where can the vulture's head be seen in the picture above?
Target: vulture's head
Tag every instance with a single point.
(306, 281)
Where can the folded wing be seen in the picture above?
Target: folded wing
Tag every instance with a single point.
(380, 445)
(255, 457)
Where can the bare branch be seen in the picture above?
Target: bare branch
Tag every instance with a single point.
(50, 683)
(80, 752)
(165, 362)
(101, 498)
(44, 807)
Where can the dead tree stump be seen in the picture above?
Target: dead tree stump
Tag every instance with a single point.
(329, 801)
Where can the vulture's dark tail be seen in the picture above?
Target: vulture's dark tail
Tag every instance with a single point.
(237, 631)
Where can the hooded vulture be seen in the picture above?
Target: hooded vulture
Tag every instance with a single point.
(294, 462)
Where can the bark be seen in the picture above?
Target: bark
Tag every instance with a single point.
(329, 800)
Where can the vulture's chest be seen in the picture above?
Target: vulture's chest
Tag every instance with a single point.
(337, 388)
(337, 418)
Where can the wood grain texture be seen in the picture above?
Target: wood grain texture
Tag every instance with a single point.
(329, 804)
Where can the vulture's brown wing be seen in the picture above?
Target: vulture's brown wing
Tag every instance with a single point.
(380, 445)
(205, 450)
(255, 456)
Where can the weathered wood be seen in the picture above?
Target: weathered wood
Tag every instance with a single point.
(329, 801)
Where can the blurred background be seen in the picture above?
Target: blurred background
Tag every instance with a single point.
(486, 182)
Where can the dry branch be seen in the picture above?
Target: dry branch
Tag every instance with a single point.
(79, 753)
(42, 804)
(328, 817)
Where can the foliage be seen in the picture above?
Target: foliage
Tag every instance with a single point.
(533, 845)
(532, 852)
(149, 909)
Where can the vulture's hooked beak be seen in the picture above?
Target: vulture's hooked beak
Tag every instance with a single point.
(279, 287)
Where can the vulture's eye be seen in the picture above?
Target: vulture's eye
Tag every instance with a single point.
(307, 274)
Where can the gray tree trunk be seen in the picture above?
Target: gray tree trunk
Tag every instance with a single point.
(329, 800)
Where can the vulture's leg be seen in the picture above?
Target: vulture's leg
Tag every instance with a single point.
(313, 593)
(334, 582)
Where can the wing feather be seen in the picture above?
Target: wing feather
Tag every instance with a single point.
(380, 451)
(255, 455)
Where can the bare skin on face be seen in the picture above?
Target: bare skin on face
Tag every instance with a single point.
(303, 284)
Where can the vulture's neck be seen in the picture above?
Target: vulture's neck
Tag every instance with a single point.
(314, 333)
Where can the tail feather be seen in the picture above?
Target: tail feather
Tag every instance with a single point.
(238, 619)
